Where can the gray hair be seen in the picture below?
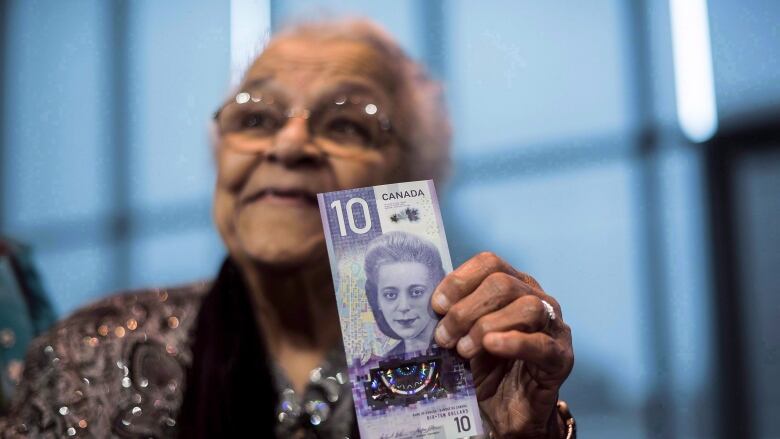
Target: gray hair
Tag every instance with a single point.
(422, 120)
(397, 247)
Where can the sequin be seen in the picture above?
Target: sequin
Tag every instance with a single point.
(332, 389)
(83, 423)
(91, 341)
(315, 376)
(318, 411)
(14, 370)
(132, 324)
(64, 410)
(173, 322)
(7, 338)
(71, 431)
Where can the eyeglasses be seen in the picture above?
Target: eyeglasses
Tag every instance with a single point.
(349, 121)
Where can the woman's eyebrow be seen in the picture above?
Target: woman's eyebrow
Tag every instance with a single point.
(266, 84)
(256, 83)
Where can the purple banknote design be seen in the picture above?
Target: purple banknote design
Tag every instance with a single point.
(388, 252)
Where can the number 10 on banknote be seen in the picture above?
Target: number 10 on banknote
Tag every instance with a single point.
(388, 252)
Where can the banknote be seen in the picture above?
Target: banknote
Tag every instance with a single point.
(388, 252)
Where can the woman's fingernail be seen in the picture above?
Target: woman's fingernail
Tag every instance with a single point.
(443, 336)
(442, 301)
(465, 346)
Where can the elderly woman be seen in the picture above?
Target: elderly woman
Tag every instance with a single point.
(258, 351)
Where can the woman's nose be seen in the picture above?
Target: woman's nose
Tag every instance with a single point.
(293, 145)
(403, 303)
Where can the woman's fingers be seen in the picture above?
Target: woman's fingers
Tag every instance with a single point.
(525, 314)
(486, 303)
(546, 352)
(495, 292)
(466, 278)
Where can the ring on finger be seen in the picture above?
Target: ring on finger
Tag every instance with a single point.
(550, 313)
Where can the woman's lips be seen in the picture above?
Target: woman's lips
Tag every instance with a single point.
(406, 322)
(286, 197)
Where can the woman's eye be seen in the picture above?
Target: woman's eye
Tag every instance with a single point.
(417, 292)
(390, 295)
(258, 121)
(345, 130)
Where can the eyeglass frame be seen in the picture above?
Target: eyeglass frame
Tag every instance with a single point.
(244, 97)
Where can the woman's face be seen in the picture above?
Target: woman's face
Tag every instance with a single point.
(287, 143)
(404, 294)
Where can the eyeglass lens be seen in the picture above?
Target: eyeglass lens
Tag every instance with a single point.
(345, 120)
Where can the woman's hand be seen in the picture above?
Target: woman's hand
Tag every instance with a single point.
(494, 316)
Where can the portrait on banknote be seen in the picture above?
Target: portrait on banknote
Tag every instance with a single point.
(402, 270)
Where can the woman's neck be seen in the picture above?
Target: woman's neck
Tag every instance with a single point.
(297, 315)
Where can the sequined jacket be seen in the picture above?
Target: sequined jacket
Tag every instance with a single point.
(115, 366)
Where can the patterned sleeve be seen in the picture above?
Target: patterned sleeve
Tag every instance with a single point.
(35, 409)
(113, 369)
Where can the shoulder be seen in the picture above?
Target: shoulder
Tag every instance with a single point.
(124, 317)
(182, 296)
(115, 366)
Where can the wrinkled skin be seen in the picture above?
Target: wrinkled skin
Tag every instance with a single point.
(494, 316)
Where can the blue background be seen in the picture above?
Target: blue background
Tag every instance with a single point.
(106, 171)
